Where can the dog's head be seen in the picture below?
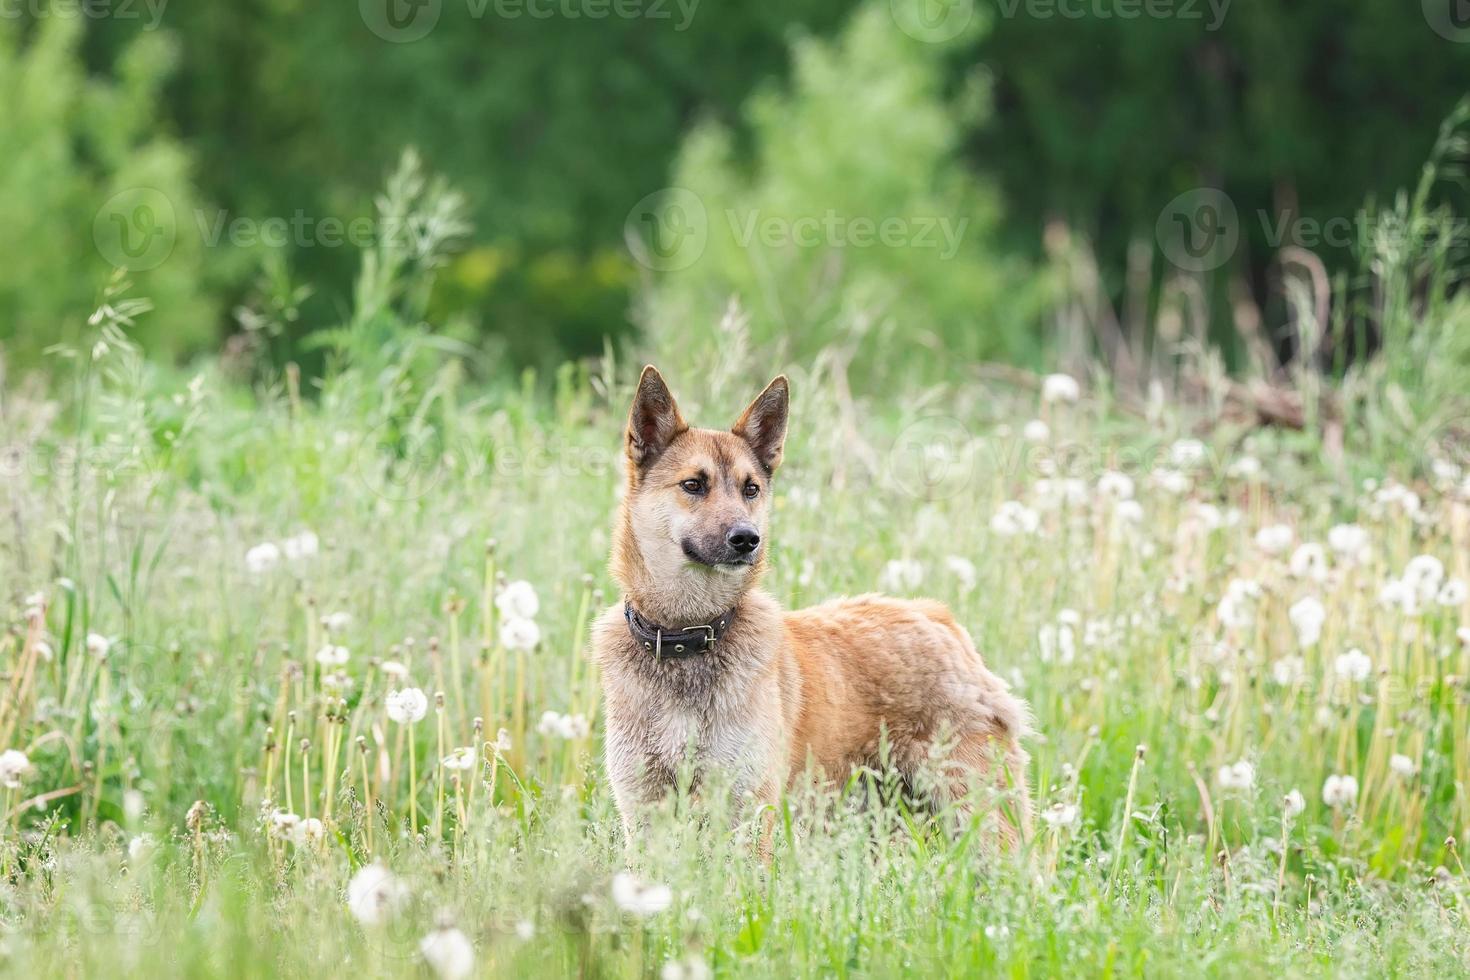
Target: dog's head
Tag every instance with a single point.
(699, 500)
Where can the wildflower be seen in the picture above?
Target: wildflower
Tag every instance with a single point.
(375, 894)
(14, 764)
(1013, 518)
(1288, 670)
(1244, 468)
(300, 546)
(1403, 766)
(1130, 512)
(283, 824)
(308, 831)
(1061, 816)
(1424, 574)
(43, 650)
(519, 634)
(1235, 608)
(1293, 804)
(98, 645)
(448, 952)
(1349, 542)
(1186, 453)
(35, 605)
(1309, 561)
(1036, 431)
(563, 726)
(962, 569)
(1453, 593)
(525, 930)
(1239, 776)
(395, 669)
(1307, 616)
(1170, 481)
(1060, 388)
(690, 967)
(1353, 665)
(518, 600)
(901, 575)
(1463, 635)
(1399, 496)
(262, 558)
(140, 847)
(1054, 494)
(1400, 595)
(336, 622)
(1339, 791)
(407, 706)
(460, 759)
(332, 656)
(640, 898)
(502, 741)
(1273, 539)
(1058, 643)
(1118, 486)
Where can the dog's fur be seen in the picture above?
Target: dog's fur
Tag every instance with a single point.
(782, 692)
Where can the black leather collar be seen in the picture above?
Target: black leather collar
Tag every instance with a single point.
(667, 644)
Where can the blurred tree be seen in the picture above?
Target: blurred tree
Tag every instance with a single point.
(92, 183)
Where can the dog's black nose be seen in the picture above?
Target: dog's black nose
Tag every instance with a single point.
(743, 538)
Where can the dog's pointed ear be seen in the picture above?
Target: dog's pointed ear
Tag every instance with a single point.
(654, 421)
(763, 424)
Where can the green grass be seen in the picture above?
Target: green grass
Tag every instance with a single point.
(133, 500)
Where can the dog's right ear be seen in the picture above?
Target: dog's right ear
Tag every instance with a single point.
(654, 421)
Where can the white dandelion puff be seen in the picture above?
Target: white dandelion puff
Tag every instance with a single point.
(407, 706)
(518, 600)
(638, 897)
(375, 894)
(448, 952)
(1339, 791)
(1060, 388)
(517, 633)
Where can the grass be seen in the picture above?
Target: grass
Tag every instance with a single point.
(217, 594)
(144, 838)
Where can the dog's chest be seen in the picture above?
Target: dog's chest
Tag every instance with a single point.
(712, 734)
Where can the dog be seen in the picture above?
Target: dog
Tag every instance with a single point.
(699, 665)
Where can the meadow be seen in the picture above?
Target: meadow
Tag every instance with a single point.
(296, 680)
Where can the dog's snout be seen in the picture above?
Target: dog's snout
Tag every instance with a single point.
(743, 538)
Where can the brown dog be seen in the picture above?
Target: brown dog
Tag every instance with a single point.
(697, 660)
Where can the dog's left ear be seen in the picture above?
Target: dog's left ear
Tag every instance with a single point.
(763, 424)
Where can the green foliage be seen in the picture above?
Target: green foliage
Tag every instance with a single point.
(83, 154)
(849, 217)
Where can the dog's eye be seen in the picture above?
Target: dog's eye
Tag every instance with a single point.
(694, 485)
(752, 490)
